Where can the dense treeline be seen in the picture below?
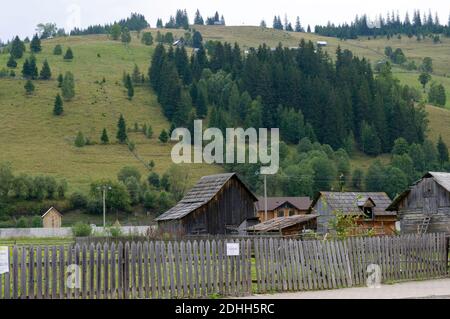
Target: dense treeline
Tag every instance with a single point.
(387, 26)
(136, 22)
(341, 103)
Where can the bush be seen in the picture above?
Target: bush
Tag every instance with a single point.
(81, 230)
(78, 200)
(36, 222)
(115, 232)
(22, 223)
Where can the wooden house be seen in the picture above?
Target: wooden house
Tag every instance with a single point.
(370, 209)
(282, 207)
(425, 207)
(286, 226)
(52, 218)
(217, 205)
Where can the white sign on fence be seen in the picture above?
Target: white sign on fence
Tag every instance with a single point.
(4, 260)
(232, 249)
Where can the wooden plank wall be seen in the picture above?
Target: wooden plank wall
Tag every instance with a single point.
(291, 265)
(202, 269)
(131, 270)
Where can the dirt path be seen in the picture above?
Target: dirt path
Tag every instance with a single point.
(439, 288)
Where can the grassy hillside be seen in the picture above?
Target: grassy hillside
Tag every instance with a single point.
(36, 142)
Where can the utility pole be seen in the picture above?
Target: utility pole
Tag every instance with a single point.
(104, 189)
(265, 197)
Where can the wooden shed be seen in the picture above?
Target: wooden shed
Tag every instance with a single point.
(282, 207)
(370, 207)
(425, 207)
(286, 226)
(218, 204)
(52, 218)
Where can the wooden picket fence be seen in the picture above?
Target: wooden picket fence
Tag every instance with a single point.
(291, 265)
(124, 271)
(202, 269)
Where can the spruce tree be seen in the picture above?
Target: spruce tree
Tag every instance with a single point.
(33, 70)
(60, 80)
(17, 48)
(69, 55)
(58, 108)
(129, 86)
(164, 137)
(11, 62)
(46, 73)
(104, 138)
(122, 136)
(29, 87)
(35, 44)
(57, 50)
(136, 75)
(68, 87)
(155, 68)
(80, 141)
(26, 68)
(442, 151)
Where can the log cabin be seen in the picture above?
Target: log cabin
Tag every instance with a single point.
(369, 207)
(425, 207)
(217, 205)
(282, 207)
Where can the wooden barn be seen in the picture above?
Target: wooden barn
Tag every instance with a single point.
(282, 207)
(217, 205)
(425, 207)
(369, 207)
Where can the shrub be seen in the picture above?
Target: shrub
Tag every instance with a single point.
(36, 222)
(115, 232)
(22, 223)
(81, 229)
(78, 200)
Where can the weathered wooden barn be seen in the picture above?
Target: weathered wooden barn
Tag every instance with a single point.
(217, 205)
(425, 207)
(369, 207)
(286, 226)
(282, 207)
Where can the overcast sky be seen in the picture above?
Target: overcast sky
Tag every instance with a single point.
(21, 17)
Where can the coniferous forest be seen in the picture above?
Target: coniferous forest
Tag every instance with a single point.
(336, 103)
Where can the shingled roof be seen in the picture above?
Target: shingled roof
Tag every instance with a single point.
(199, 195)
(301, 203)
(280, 223)
(443, 179)
(349, 203)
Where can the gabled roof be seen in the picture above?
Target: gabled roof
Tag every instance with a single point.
(50, 209)
(350, 203)
(280, 223)
(441, 178)
(199, 195)
(301, 203)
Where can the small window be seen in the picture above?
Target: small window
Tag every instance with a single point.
(368, 212)
(281, 213)
(291, 213)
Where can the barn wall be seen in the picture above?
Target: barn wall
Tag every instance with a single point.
(231, 206)
(426, 198)
(325, 214)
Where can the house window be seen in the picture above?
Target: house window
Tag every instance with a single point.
(368, 212)
(281, 213)
(291, 213)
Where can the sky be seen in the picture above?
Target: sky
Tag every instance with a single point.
(20, 17)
